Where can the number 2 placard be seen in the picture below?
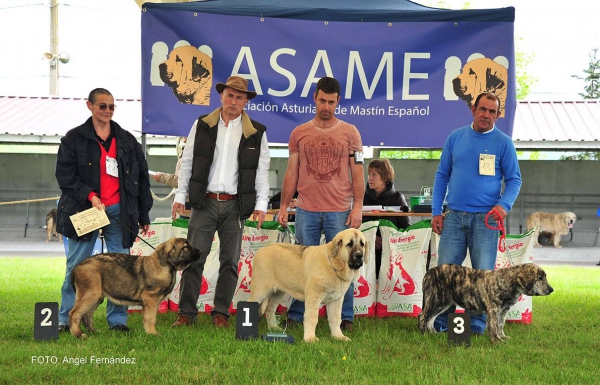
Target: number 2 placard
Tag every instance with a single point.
(45, 325)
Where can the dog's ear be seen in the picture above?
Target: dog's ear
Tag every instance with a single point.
(366, 255)
(160, 251)
(527, 277)
(199, 71)
(333, 252)
(493, 81)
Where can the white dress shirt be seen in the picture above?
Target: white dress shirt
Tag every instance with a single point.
(223, 175)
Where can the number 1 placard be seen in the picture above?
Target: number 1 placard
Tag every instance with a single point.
(246, 324)
(45, 324)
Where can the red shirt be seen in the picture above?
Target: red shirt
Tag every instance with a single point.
(109, 185)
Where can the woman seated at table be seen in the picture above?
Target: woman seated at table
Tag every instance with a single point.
(380, 191)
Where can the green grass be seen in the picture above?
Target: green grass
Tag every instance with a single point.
(561, 346)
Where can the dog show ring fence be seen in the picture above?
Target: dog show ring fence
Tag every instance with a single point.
(406, 256)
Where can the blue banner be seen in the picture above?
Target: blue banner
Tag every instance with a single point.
(404, 84)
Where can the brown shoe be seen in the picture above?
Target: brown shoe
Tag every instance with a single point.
(182, 321)
(346, 326)
(220, 321)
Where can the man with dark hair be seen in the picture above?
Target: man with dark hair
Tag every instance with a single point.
(101, 165)
(225, 171)
(326, 168)
(476, 160)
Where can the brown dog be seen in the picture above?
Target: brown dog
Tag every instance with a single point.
(51, 227)
(314, 274)
(555, 224)
(128, 280)
(479, 291)
(188, 72)
(482, 75)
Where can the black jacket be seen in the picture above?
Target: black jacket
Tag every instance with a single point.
(78, 174)
(248, 157)
(390, 197)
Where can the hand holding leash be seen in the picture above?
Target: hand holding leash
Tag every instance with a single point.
(498, 215)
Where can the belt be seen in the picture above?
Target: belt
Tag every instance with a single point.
(221, 196)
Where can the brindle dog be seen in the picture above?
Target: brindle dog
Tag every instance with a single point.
(479, 291)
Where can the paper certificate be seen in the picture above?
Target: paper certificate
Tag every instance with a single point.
(89, 220)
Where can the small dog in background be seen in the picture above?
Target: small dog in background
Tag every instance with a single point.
(490, 292)
(556, 225)
(51, 227)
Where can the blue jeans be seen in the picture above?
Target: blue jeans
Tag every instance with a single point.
(309, 226)
(79, 251)
(464, 231)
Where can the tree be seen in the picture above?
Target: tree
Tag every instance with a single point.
(592, 77)
(524, 80)
(592, 91)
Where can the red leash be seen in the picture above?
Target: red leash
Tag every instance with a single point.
(500, 227)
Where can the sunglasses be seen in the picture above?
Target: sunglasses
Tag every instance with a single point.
(104, 106)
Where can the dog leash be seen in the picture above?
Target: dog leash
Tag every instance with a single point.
(292, 236)
(500, 227)
(128, 229)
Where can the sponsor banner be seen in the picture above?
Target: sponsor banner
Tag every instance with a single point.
(403, 266)
(404, 84)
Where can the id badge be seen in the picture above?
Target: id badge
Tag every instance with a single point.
(487, 164)
(112, 168)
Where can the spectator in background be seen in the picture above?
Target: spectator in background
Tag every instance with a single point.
(101, 165)
(380, 191)
(171, 180)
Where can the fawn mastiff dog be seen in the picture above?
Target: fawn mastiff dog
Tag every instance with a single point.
(313, 274)
(479, 291)
(128, 280)
(555, 224)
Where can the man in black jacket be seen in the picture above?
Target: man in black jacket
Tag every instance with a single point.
(224, 170)
(101, 165)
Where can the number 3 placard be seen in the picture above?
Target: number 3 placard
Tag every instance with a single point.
(459, 329)
(45, 325)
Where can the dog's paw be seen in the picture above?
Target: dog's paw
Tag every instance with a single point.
(342, 338)
(311, 339)
(275, 328)
(558, 247)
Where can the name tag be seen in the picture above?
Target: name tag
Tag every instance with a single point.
(112, 167)
(487, 164)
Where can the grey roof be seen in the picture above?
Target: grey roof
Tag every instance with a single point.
(567, 125)
(557, 125)
(53, 116)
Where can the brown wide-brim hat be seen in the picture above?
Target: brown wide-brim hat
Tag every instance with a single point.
(237, 83)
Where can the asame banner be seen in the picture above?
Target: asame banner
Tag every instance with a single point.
(404, 84)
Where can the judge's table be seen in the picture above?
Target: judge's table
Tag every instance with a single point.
(272, 214)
